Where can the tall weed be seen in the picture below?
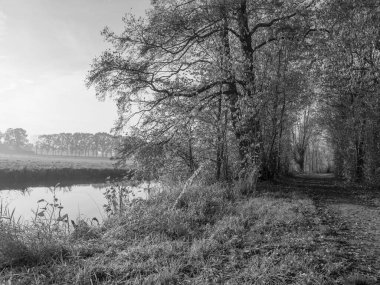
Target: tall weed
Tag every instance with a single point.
(42, 240)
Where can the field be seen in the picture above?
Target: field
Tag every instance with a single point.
(23, 171)
(19, 161)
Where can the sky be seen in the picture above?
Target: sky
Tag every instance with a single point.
(46, 48)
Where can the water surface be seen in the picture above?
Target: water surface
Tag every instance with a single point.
(78, 201)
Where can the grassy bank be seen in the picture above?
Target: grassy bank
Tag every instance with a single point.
(21, 161)
(24, 178)
(216, 236)
(21, 171)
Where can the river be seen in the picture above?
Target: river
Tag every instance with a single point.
(78, 201)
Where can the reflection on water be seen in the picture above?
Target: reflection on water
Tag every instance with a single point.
(84, 201)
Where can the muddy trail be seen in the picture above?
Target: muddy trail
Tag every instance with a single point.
(350, 215)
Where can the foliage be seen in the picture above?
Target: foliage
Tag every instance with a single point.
(16, 137)
(240, 104)
(118, 198)
(99, 144)
(351, 87)
(211, 106)
(14, 141)
(49, 216)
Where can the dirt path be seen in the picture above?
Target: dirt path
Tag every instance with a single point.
(352, 215)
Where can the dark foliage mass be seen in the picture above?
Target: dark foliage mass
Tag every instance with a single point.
(250, 88)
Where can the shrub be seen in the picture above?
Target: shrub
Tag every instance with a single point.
(198, 207)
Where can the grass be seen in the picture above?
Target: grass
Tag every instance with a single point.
(214, 236)
(22, 171)
(23, 245)
(19, 161)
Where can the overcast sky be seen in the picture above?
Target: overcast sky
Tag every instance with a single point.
(46, 48)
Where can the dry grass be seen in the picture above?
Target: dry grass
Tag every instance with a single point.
(17, 161)
(215, 236)
(22, 171)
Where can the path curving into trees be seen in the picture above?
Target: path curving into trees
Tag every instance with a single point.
(350, 216)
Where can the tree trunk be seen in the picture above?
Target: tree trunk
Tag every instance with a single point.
(190, 150)
(360, 158)
(219, 146)
(247, 130)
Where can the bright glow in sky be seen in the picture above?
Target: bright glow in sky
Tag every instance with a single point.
(46, 48)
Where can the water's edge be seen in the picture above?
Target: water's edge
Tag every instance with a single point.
(83, 201)
(25, 178)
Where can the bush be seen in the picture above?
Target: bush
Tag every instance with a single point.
(199, 207)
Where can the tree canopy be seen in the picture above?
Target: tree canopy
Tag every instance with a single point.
(82, 144)
(14, 140)
(225, 82)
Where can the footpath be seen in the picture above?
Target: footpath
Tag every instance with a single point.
(352, 216)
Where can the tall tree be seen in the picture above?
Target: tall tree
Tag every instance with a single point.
(195, 51)
(16, 138)
(351, 84)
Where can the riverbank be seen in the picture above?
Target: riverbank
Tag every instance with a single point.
(24, 178)
(23, 171)
(280, 235)
(21, 161)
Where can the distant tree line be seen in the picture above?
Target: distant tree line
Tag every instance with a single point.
(78, 144)
(75, 144)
